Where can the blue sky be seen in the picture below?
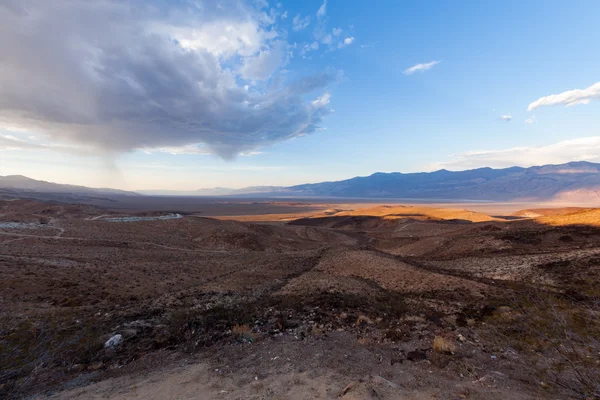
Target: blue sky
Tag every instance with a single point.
(278, 93)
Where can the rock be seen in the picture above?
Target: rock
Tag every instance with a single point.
(416, 355)
(544, 385)
(128, 333)
(461, 338)
(435, 319)
(113, 341)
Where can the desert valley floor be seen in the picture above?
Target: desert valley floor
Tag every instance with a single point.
(329, 301)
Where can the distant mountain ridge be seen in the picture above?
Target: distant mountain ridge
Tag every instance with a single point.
(514, 183)
(574, 182)
(23, 183)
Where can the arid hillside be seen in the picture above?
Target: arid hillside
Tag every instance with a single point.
(581, 217)
(387, 302)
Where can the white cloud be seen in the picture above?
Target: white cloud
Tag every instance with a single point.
(14, 143)
(581, 149)
(284, 15)
(322, 10)
(263, 65)
(506, 117)
(321, 32)
(121, 75)
(177, 150)
(309, 47)
(251, 153)
(530, 120)
(568, 98)
(322, 101)
(222, 38)
(420, 67)
(299, 22)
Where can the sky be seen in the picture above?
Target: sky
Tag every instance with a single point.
(189, 94)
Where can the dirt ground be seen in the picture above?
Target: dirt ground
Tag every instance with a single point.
(384, 303)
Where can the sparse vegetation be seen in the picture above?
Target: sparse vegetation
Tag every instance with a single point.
(558, 339)
(443, 345)
(45, 347)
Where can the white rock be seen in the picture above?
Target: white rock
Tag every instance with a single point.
(113, 341)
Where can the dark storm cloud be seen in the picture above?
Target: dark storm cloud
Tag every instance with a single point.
(107, 75)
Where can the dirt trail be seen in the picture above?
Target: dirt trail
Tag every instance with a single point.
(339, 368)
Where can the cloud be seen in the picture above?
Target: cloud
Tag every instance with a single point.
(530, 120)
(299, 22)
(308, 48)
(581, 149)
(10, 142)
(568, 98)
(321, 34)
(264, 64)
(119, 76)
(251, 153)
(506, 117)
(322, 10)
(14, 143)
(196, 148)
(321, 101)
(420, 67)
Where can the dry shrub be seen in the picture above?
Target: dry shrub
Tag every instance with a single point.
(443, 345)
(558, 339)
(365, 319)
(243, 332)
(37, 352)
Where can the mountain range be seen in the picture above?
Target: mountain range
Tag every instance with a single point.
(571, 181)
(574, 181)
(25, 185)
(515, 183)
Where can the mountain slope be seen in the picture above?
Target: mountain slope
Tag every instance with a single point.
(544, 182)
(23, 183)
